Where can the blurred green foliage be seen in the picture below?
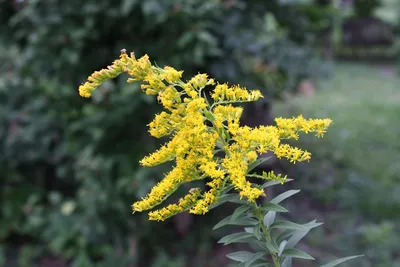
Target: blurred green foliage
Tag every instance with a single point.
(365, 8)
(353, 177)
(69, 165)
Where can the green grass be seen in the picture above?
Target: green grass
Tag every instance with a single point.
(353, 177)
(364, 104)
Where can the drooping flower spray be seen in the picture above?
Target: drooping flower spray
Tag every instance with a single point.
(207, 142)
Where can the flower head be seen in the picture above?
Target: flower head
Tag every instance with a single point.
(206, 139)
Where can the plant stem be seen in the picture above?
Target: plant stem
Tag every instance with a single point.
(258, 213)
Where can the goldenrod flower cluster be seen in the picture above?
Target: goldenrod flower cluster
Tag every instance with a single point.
(206, 139)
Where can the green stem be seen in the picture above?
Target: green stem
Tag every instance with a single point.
(259, 215)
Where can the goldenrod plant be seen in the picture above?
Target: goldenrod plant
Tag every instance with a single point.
(207, 142)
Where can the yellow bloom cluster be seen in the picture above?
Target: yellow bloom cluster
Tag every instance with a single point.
(207, 141)
(289, 128)
(184, 203)
(223, 92)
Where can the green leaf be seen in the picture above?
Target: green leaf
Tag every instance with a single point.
(235, 238)
(288, 225)
(257, 231)
(261, 244)
(295, 253)
(207, 38)
(261, 264)
(256, 163)
(284, 196)
(232, 197)
(339, 261)
(227, 189)
(239, 211)
(273, 207)
(257, 264)
(287, 262)
(239, 221)
(127, 6)
(244, 221)
(223, 222)
(269, 218)
(295, 238)
(312, 224)
(249, 229)
(184, 39)
(240, 256)
(272, 246)
(298, 235)
(253, 258)
(282, 236)
(271, 183)
(209, 115)
(282, 246)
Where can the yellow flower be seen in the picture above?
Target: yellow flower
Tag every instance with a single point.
(184, 204)
(222, 92)
(206, 140)
(160, 191)
(171, 75)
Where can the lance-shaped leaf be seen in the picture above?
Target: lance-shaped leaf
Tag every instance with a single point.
(298, 235)
(288, 225)
(240, 256)
(272, 246)
(232, 197)
(241, 237)
(271, 183)
(269, 218)
(287, 262)
(273, 207)
(253, 258)
(284, 196)
(295, 253)
(257, 162)
(340, 261)
(239, 211)
(242, 220)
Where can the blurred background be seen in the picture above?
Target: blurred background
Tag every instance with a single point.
(69, 166)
